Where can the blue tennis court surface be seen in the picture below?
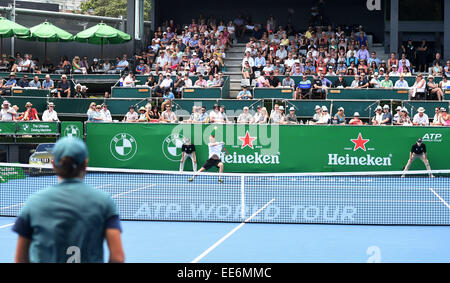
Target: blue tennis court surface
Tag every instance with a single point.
(183, 242)
(243, 201)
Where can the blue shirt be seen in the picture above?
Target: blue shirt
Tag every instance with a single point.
(170, 96)
(48, 84)
(260, 61)
(11, 82)
(304, 84)
(69, 214)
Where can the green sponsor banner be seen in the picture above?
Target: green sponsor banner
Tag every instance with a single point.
(72, 129)
(7, 128)
(37, 128)
(266, 148)
(10, 173)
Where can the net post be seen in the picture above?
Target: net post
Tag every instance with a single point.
(243, 197)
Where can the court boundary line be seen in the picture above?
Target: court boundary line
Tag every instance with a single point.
(7, 225)
(440, 198)
(229, 234)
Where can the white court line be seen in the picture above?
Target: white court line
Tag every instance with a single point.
(7, 225)
(132, 191)
(197, 259)
(439, 197)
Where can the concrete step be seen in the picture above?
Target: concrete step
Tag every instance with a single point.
(234, 77)
(234, 69)
(234, 55)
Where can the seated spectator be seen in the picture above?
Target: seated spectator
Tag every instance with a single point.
(387, 116)
(215, 116)
(445, 117)
(421, 119)
(288, 82)
(277, 115)
(35, 83)
(394, 72)
(374, 82)
(122, 65)
(24, 65)
(217, 81)
(106, 114)
(48, 83)
(151, 82)
(404, 119)
(319, 90)
(9, 84)
(324, 117)
(437, 69)
(168, 116)
(30, 114)
(200, 82)
(210, 81)
(355, 120)
(444, 84)
(378, 118)
(261, 116)
(23, 82)
(401, 83)
(131, 115)
(339, 117)
(340, 82)
(50, 114)
(142, 68)
(262, 81)
(91, 111)
(63, 87)
(244, 94)
(434, 91)
(96, 115)
(76, 66)
(85, 65)
(303, 89)
(356, 82)
(247, 72)
(7, 113)
(317, 115)
(153, 114)
(95, 67)
(291, 118)
(417, 91)
(386, 83)
(168, 97)
(245, 117)
(397, 116)
(143, 117)
(447, 69)
(129, 80)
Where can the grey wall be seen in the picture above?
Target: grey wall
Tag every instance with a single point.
(349, 12)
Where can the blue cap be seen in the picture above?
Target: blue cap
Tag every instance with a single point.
(71, 147)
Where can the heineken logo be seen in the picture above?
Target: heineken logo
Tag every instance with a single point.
(247, 140)
(171, 147)
(360, 143)
(72, 131)
(364, 160)
(123, 146)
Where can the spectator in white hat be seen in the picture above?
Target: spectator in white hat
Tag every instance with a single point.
(421, 119)
(387, 116)
(245, 117)
(316, 115)
(339, 117)
(355, 120)
(405, 120)
(7, 113)
(397, 116)
(291, 118)
(325, 117)
(378, 118)
(50, 114)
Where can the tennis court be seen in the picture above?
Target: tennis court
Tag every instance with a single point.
(250, 218)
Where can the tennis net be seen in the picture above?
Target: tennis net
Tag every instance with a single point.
(332, 198)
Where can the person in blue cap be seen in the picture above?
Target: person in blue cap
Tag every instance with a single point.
(68, 222)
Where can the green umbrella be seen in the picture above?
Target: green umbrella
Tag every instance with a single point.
(9, 28)
(47, 32)
(102, 34)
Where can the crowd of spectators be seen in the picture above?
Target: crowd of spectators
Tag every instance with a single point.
(10, 112)
(277, 51)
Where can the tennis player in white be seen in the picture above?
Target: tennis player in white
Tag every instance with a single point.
(215, 150)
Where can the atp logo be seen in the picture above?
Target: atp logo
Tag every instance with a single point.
(72, 131)
(171, 147)
(123, 146)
